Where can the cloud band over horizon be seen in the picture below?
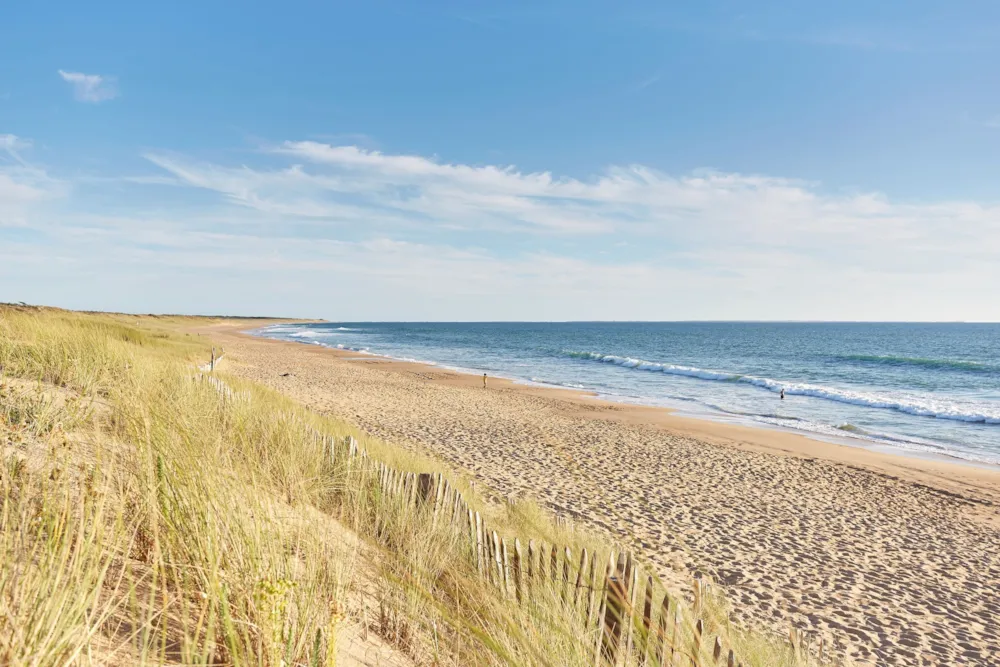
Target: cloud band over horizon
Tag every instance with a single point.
(345, 232)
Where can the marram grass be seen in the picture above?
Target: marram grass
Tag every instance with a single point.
(146, 518)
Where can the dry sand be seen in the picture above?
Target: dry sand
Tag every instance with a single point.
(895, 560)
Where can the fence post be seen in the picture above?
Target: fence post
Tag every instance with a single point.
(647, 620)
(554, 564)
(516, 569)
(456, 511)
(592, 596)
(506, 567)
(580, 583)
(601, 603)
(631, 583)
(567, 557)
(716, 650)
(472, 535)
(531, 562)
(211, 366)
(699, 628)
(479, 544)
(440, 489)
(487, 553)
(661, 629)
(614, 610)
(499, 561)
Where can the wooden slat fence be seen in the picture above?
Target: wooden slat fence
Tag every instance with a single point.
(632, 626)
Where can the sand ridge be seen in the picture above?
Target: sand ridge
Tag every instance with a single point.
(895, 560)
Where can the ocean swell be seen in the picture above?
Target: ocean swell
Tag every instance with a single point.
(891, 360)
(914, 405)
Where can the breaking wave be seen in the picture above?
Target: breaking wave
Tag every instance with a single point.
(914, 405)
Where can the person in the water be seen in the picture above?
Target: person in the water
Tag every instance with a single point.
(782, 392)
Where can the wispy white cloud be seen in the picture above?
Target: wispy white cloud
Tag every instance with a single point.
(346, 184)
(408, 236)
(92, 88)
(22, 185)
(12, 144)
(646, 83)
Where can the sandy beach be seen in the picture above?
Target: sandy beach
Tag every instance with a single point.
(895, 560)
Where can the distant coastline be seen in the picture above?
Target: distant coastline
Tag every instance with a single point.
(793, 416)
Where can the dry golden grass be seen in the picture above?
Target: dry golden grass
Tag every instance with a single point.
(149, 518)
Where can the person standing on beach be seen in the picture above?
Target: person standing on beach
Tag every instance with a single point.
(484, 380)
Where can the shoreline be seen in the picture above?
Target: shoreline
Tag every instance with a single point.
(929, 467)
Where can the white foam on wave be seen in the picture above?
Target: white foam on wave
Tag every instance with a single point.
(571, 385)
(310, 334)
(341, 346)
(924, 406)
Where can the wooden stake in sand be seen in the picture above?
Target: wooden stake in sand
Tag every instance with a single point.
(480, 546)
(647, 619)
(661, 629)
(506, 567)
(614, 612)
(699, 628)
(631, 583)
(592, 596)
(498, 559)
(580, 583)
(516, 568)
(567, 557)
(554, 564)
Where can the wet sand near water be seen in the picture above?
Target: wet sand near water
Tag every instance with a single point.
(894, 559)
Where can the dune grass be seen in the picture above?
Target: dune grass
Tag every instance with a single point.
(148, 518)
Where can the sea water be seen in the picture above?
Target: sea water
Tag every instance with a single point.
(922, 389)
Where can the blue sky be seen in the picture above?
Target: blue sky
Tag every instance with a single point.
(464, 161)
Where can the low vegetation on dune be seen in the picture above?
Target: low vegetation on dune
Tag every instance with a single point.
(150, 517)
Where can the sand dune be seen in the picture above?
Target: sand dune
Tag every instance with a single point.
(895, 560)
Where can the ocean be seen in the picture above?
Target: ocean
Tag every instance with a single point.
(918, 389)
